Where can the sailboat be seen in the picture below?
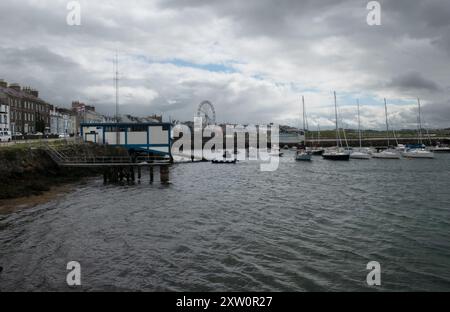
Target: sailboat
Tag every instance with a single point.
(317, 150)
(418, 152)
(359, 154)
(388, 153)
(441, 148)
(338, 153)
(303, 154)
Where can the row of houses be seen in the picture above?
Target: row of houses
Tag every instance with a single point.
(22, 111)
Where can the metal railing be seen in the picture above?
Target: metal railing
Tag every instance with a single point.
(63, 159)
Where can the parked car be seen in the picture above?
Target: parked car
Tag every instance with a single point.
(64, 136)
(5, 136)
(18, 134)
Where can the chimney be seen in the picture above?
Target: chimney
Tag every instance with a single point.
(34, 92)
(15, 86)
(3, 83)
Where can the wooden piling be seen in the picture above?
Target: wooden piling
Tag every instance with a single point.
(133, 178)
(164, 174)
(151, 174)
(115, 175)
(121, 174)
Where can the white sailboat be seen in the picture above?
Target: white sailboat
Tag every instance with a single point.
(441, 149)
(388, 153)
(303, 154)
(338, 153)
(317, 150)
(418, 152)
(359, 154)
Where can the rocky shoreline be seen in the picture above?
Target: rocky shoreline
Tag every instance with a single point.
(29, 171)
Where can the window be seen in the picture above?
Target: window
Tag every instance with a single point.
(138, 128)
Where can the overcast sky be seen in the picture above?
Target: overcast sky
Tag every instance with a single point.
(253, 59)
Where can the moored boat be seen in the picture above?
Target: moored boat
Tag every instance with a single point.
(418, 153)
(317, 151)
(224, 161)
(227, 158)
(276, 153)
(418, 150)
(359, 155)
(336, 155)
(387, 154)
(303, 155)
(440, 149)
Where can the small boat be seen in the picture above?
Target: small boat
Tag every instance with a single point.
(317, 151)
(336, 155)
(224, 161)
(387, 154)
(276, 153)
(303, 155)
(360, 153)
(440, 149)
(400, 147)
(418, 153)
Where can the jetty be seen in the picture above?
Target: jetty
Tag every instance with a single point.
(115, 169)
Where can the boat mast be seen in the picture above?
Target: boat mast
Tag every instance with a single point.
(387, 122)
(359, 126)
(336, 115)
(318, 134)
(420, 122)
(116, 87)
(304, 123)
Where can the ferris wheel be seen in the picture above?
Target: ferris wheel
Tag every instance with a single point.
(207, 112)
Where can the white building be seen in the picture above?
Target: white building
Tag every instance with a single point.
(62, 121)
(5, 133)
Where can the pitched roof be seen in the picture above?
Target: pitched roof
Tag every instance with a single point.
(21, 94)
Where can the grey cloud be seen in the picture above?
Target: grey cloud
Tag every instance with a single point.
(414, 39)
(36, 56)
(413, 81)
(437, 113)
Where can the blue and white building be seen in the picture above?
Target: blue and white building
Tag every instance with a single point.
(154, 138)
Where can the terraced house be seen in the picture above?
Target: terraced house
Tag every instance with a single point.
(27, 112)
(5, 133)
